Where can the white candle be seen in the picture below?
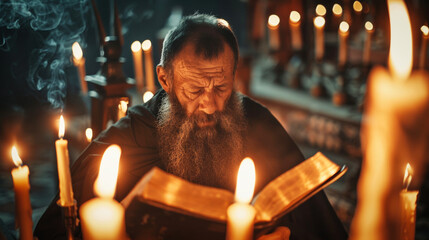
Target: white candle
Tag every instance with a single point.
(423, 48)
(241, 214)
(63, 164)
(21, 187)
(343, 33)
(295, 28)
(148, 65)
(274, 35)
(367, 45)
(79, 62)
(138, 63)
(319, 25)
(103, 218)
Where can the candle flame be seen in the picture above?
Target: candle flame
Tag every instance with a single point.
(105, 184)
(62, 127)
(77, 51)
(88, 134)
(357, 6)
(319, 21)
(135, 46)
(320, 10)
(146, 45)
(273, 21)
(425, 30)
(245, 181)
(337, 9)
(15, 157)
(294, 16)
(400, 55)
(407, 176)
(369, 26)
(223, 22)
(147, 96)
(344, 27)
(123, 106)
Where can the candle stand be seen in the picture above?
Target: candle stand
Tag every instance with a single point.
(69, 216)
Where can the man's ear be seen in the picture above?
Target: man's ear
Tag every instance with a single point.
(163, 78)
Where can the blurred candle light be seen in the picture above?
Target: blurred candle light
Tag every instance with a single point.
(366, 59)
(148, 63)
(79, 62)
(320, 10)
(319, 25)
(138, 64)
(343, 33)
(295, 28)
(337, 10)
(357, 6)
(274, 35)
(147, 96)
(103, 217)
(21, 187)
(122, 108)
(408, 207)
(241, 214)
(423, 48)
(88, 134)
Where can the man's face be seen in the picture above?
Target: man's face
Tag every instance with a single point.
(202, 86)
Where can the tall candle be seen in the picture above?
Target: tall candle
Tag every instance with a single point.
(295, 28)
(63, 164)
(343, 33)
(138, 63)
(423, 48)
(79, 62)
(319, 25)
(148, 65)
(21, 187)
(273, 28)
(103, 218)
(367, 45)
(337, 11)
(241, 214)
(408, 207)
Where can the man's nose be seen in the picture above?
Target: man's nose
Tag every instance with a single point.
(207, 103)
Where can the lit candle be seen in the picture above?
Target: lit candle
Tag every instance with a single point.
(274, 35)
(63, 164)
(21, 187)
(88, 134)
(408, 207)
(357, 7)
(79, 62)
(337, 10)
(367, 45)
(319, 25)
(320, 10)
(103, 217)
(241, 214)
(343, 33)
(423, 48)
(138, 63)
(147, 96)
(148, 65)
(295, 28)
(122, 108)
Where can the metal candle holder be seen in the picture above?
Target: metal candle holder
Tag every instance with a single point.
(69, 216)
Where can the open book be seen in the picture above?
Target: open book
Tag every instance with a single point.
(162, 205)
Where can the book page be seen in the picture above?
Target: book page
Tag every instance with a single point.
(293, 186)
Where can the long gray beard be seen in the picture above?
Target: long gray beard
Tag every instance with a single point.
(209, 155)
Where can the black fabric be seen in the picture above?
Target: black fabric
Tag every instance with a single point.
(266, 142)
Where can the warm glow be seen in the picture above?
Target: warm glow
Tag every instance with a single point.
(357, 6)
(135, 46)
(273, 20)
(400, 55)
(245, 181)
(408, 176)
(294, 16)
(88, 134)
(62, 127)
(146, 45)
(223, 22)
(369, 26)
(123, 106)
(15, 157)
(105, 184)
(320, 10)
(319, 21)
(147, 96)
(77, 51)
(425, 30)
(337, 9)
(344, 26)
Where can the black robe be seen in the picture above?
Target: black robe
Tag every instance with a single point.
(266, 142)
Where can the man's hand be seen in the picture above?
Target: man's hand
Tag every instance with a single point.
(281, 233)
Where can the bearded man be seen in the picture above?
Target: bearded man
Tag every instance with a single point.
(199, 128)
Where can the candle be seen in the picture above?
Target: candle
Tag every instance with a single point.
(122, 108)
(274, 35)
(241, 214)
(79, 62)
(343, 33)
(147, 96)
(148, 65)
(423, 48)
(320, 10)
(103, 217)
(408, 207)
(367, 45)
(319, 25)
(88, 134)
(21, 187)
(138, 63)
(63, 164)
(295, 28)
